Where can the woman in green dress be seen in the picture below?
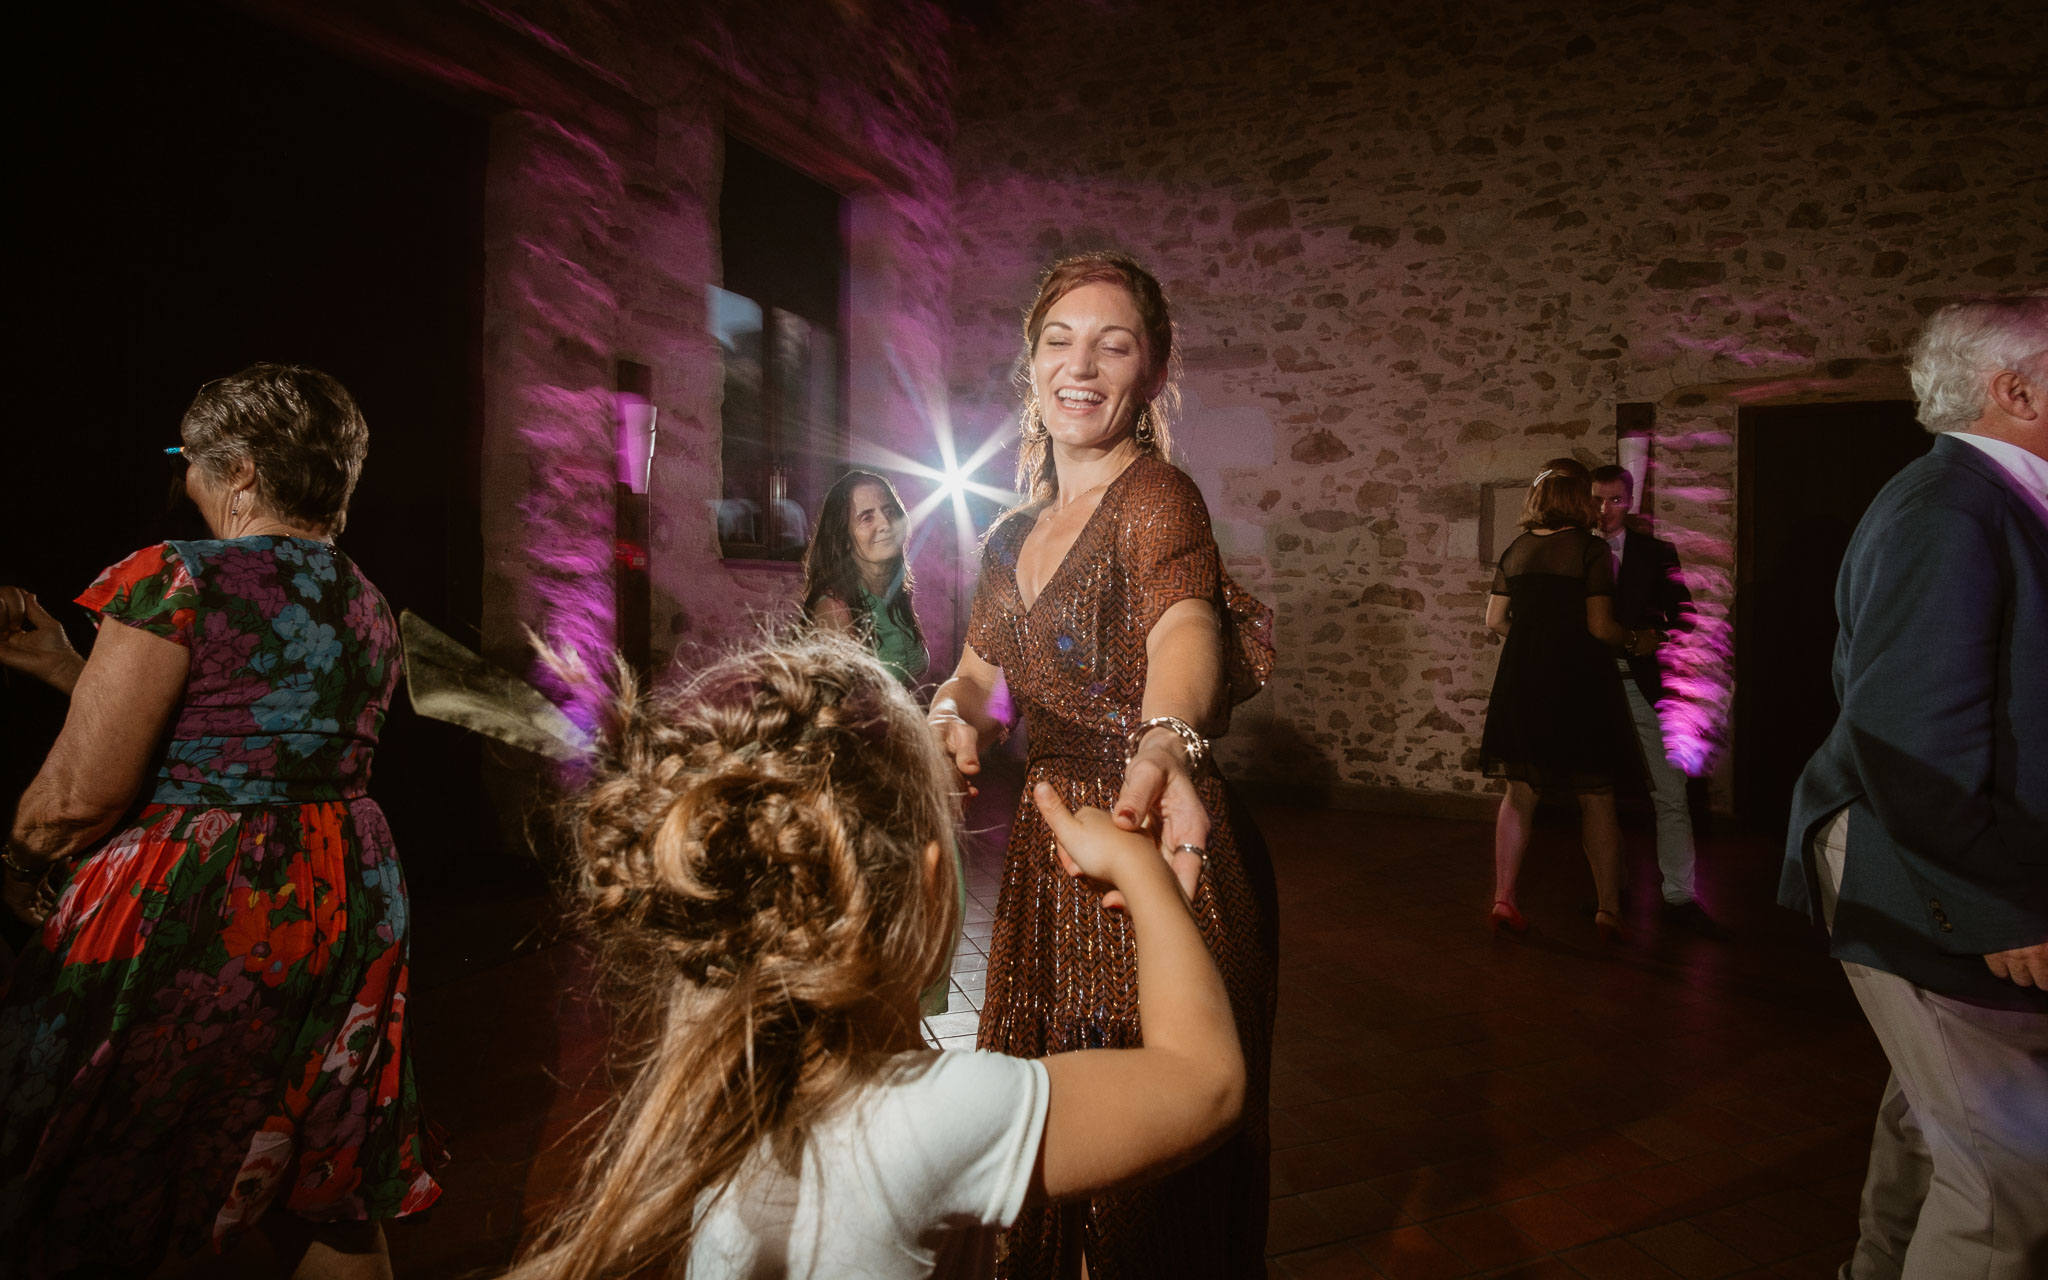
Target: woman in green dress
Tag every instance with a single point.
(857, 578)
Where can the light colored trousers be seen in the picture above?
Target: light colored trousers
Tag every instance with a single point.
(1667, 797)
(1957, 1187)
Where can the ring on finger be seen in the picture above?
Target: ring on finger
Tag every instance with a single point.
(1188, 846)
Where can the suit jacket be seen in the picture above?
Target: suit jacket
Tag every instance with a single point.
(1940, 752)
(1650, 595)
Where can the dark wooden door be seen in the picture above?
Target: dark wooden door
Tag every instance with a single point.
(1806, 474)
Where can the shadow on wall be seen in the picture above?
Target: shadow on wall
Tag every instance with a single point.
(1287, 758)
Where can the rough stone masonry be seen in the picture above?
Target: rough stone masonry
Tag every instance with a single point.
(1417, 249)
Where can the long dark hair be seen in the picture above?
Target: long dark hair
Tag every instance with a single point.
(831, 568)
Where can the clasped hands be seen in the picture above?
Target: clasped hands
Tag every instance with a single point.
(30, 639)
(30, 898)
(1158, 797)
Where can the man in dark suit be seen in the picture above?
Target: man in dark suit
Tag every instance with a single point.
(1650, 595)
(1920, 827)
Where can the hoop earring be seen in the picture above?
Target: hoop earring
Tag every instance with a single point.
(1144, 434)
(1034, 429)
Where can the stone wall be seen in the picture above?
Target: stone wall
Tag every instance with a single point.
(601, 236)
(1416, 250)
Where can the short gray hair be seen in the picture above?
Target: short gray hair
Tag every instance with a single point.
(1963, 344)
(299, 427)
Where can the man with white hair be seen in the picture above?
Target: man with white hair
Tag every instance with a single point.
(1920, 827)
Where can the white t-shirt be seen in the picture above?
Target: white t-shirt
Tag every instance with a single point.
(912, 1177)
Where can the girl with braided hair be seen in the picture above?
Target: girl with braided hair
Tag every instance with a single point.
(763, 856)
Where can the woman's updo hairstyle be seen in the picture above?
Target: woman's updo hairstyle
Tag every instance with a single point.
(1036, 477)
(766, 824)
(300, 428)
(1561, 496)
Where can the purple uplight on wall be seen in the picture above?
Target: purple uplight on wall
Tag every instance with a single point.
(1698, 662)
(568, 543)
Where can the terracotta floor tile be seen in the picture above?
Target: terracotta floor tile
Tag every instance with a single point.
(1427, 1192)
(1805, 1216)
(1560, 1166)
(1292, 1223)
(1617, 1260)
(1689, 1251)
(1330, 1262)
(1667, 1139)
(1752, 1233)
(1411, 1253)
(1553, 1221)
(1318, 1164)
(1548, 1268)
(1617, 1153)
(1823, 1263)
(1616, 1203)
(1356, 1208)
(1486, 1238)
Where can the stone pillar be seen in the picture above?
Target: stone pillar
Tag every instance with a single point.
(550, 318)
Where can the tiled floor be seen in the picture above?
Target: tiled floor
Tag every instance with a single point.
(1445, 1104)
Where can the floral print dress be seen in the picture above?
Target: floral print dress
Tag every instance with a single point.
(213, 1023)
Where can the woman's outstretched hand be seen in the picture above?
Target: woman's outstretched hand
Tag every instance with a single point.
(958, 739)
(1159, 795)
(1092, 846)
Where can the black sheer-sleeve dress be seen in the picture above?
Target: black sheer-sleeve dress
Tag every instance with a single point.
(1556, 719)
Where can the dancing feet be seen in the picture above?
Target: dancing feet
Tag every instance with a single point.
(1505, 919)
(1608, 925)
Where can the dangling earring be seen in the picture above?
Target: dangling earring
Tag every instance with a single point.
(1034, 422)
(235, 505)
(1144, 433)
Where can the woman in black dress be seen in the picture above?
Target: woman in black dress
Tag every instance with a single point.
(1556, 719)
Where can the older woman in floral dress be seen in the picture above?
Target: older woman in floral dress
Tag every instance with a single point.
(210, 1029)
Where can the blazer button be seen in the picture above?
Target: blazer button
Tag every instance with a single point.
(1946, 927)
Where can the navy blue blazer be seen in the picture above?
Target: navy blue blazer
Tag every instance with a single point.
(1650, 595)
(1940, 752)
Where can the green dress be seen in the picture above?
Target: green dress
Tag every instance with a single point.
(896, 645)
(898, 648)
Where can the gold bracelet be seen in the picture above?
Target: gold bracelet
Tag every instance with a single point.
(17, 868)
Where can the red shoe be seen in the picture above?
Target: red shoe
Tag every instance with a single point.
(1608, 925)
(1505, 919)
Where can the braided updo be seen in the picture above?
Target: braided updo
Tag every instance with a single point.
(773, 813)
(751, 853)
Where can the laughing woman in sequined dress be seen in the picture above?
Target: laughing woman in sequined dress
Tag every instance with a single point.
(1104, 605)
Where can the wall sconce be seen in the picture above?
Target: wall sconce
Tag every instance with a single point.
(633, 449)
(635, 440)
(1634, 422)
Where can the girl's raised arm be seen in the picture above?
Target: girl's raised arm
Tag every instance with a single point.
(1123, 1116)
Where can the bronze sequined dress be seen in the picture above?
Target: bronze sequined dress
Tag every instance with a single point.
(1062, 971)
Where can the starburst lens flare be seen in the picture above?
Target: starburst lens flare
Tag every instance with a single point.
(951, 481)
